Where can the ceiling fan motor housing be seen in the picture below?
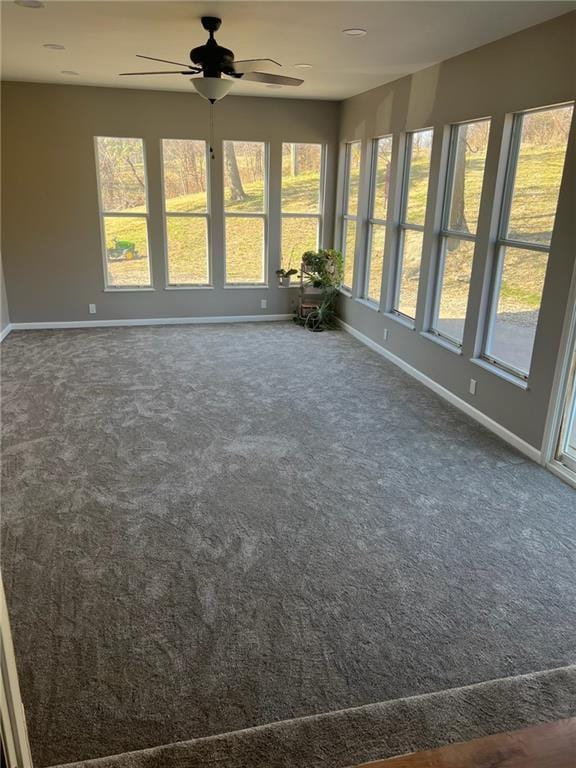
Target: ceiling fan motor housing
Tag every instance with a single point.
(214, 59)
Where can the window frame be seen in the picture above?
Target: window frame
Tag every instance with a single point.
(502, 241)
(346, 216)
(187, 214)
(373, 221)
(446, 232)
(403, 226)
(102, 214)
(264, 215)
(321, 196)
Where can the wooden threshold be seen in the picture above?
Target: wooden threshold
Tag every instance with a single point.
(543, 746)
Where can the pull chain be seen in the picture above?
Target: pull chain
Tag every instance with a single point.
(212, 130)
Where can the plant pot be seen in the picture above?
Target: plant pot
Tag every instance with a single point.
(285, 282)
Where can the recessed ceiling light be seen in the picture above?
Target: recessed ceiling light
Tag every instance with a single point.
(303, 66)
(54, 46)
(29, 3)
(273, 85)
(69, 72)
(355, 32)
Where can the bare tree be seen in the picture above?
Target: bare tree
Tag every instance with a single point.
(234, 179)
(457, 210)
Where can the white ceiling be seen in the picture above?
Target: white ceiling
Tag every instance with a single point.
(102, 38)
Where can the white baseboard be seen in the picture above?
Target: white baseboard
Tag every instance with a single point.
(5, 331)
(148, 321)
(511, 438)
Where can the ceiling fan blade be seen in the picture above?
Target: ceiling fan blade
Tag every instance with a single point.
(164, 72)
(264, 77)
(251, 65)
(164, 61)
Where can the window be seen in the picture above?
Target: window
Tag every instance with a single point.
(412, 217)
(123, 212)
(377, 221)
(302, 183)
(466, 161)
(352, 160)
(535, 165)
(184, 164)
(245, 211)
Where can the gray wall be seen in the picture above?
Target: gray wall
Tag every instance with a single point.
(51, 238)
(533, 68)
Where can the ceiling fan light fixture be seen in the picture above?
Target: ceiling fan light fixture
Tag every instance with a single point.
(212, 88)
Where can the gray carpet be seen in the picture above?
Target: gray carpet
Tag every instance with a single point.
(375, 731)
(212, 528)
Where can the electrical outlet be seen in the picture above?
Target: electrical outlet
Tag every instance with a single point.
(263, 303)
(472, 388)
(385, 334)
(92, 309)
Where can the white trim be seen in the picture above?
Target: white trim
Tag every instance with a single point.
(149, 321)
(5, 331)
(521, 445)
(561, 471)
(14, 731)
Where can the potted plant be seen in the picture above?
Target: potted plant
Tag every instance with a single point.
(284, 276)
(323, 271)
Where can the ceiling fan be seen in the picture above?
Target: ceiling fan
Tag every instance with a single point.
(212, 61)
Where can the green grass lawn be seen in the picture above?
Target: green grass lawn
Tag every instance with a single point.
(187, 243)
(532, 215)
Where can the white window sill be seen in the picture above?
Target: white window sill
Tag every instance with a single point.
(292, 285)
(442, 342)
(188, 287)
(370, 304)
(135, 289)
(405, 321)
(345, 292)
(517, 381)
(242, 286)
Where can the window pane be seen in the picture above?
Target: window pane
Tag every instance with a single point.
(354, 152)
(244, 176)
(470, 143)
(349, 246)
(419, 153)
(519, 299)
(376, 262)
(301, 171)
(185, 186)
(244, 249)
(409, 273)
(382, 177)
(187, 238)
(454, 287)
(543, 141)
(126, 241)
(122, 174)
(298, 235)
